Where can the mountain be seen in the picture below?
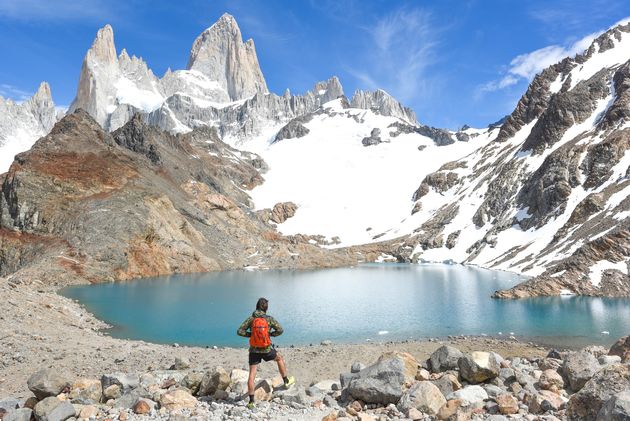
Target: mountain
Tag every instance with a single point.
(549, 195)
(21, 124)
(543, 192)
(85, 205)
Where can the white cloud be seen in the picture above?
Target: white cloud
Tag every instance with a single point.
(14, 93)
(57, 10)
(526, 66)
(401, 45)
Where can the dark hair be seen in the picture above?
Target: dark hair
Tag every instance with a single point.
(262, 304)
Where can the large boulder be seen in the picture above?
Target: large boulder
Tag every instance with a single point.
(22, 414)
(53, 409)
(444, 358)
(423, 396)
(385, 381)
(585, 404)
(478, 367)
(621, 348)
(550, 379)
(578, 368)
(47, 382)
(213, 380)
(177, 399)
(616, 408)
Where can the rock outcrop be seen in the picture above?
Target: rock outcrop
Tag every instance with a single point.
(220, 54)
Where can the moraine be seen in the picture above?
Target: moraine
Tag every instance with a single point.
(378, 302)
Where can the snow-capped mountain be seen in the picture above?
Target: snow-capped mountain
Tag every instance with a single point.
(550, 194)
(21, 124)
(222, 86)
(545, 192)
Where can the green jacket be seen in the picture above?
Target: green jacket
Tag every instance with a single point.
(245, 329)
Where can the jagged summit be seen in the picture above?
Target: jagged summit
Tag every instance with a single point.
(220, 54)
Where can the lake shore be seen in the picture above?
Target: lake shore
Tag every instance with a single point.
(41, 329)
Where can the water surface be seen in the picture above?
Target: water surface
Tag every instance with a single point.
(376, 302)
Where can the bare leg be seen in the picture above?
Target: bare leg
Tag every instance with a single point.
(251, 379)
(282, 368)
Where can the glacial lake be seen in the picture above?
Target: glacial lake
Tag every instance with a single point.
(373, 302)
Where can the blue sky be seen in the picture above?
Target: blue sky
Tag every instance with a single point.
(454, 62)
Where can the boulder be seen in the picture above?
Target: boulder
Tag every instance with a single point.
(585, 404)
(449, 409)
(213, 380)
(544, 401)
(283, 211)
(617, 408)
(447, 384)
(507, 404)
(356, 367)
(621, 348)
(181, 363)
(326, 385)
(470, 395)
(444, 358)
(192, 381)
(47, 382)
(609, 359)
(177, 399)
(53, 409)
(423, 396)
(384, 381)
(130, 397)
(549, 379)
(263, 391)
(478, 367)
(86, 391)
(88, 411)
(578, 368)
(22, 414)
(112, 392)
(125, 381)
(143, 406)
(294, 394)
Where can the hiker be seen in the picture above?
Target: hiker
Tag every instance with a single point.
(258, 328)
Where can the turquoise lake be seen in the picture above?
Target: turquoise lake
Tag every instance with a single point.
(377, 302)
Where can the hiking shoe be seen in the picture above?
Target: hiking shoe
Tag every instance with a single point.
(251, 405)
(290, 382)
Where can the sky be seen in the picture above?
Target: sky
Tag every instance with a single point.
(454, 62)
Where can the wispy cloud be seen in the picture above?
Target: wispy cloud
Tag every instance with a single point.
(14, 93)
(55, 10)
(526, 66)
(401, 47)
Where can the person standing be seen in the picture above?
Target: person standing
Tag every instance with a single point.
(259, 327)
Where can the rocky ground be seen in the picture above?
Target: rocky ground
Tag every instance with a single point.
(40, 330)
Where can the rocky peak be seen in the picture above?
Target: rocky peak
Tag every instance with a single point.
(220, 53)
(328, 90)
(382, 103)
(103, 49)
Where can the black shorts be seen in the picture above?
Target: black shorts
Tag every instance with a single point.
(256, 357)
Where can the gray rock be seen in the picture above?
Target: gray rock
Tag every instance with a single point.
(192, 381)
(478, 367)
(585, 404)
(423, 396)
(213, 380)
(445, 358)
(447, 384)
(53, 409)
(609, 359)
(356, 367)
(382, 103)
(125, 381)
(9, 404)
(22, 414)
(617, 408)
(131, 396)
(294, 394)
(373, 139)
(383, 381)
(578, 368)
(474, 395)
(492, 390)
(346, 378)
(330, 401)
(507, 375)
(47, 382)
(293, 129)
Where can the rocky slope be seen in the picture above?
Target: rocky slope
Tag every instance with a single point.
(85, 205)
(549, 195)
(21, 124)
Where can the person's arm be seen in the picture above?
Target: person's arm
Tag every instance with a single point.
(243, 329)
(275, 327)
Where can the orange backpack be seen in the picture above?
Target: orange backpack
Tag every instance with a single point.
(260, 333)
